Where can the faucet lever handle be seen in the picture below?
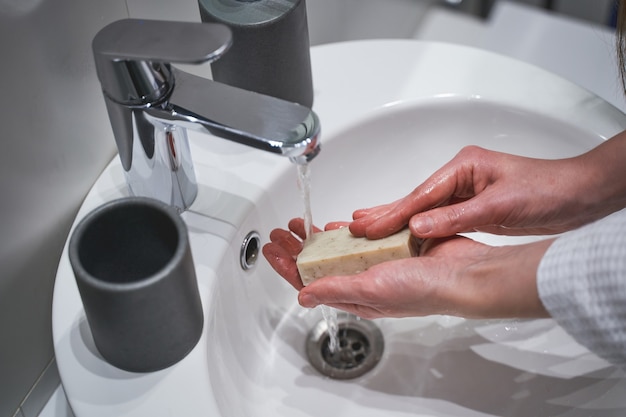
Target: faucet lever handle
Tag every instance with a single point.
(132, 56)
(162, 41)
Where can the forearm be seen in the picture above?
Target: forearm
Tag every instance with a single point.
(602, 171)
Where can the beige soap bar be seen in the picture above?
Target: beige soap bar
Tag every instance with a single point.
(338, 252)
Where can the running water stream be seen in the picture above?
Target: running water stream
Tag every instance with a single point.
(329, 313)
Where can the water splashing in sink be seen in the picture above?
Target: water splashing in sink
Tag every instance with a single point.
(330, 315)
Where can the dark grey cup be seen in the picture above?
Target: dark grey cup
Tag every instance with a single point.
(135, 274)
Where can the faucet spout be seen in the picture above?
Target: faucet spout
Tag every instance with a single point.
(253, 119)
(151, 105)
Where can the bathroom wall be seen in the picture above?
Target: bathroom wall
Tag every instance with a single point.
(597, 11)
(338, 20)
(55, 141)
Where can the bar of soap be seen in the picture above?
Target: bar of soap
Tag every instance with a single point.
(338, 252)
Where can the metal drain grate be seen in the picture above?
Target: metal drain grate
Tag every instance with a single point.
(360, 348)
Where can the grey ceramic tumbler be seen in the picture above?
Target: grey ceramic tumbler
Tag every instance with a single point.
(270, 51)
(135, 274)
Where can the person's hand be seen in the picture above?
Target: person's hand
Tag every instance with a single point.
(285, 245)
(482, 190)
(455, 276)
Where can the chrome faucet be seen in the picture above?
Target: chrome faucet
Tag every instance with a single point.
(151, 105)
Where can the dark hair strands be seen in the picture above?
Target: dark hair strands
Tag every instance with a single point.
(621, 41)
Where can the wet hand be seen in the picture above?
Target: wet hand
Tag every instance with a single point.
(482, 190)
(453, 276)
(285, 245)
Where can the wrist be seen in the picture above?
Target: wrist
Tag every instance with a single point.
(503, 283)
(603, 171)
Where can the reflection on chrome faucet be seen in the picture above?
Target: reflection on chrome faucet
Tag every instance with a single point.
(151, 105)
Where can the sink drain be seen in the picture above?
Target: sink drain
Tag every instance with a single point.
(360, 348)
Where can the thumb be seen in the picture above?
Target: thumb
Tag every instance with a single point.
(330, 290)
(449, 220)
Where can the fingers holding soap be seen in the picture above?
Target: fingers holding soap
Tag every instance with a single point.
(284, 247)
(336, 225)
(283, 262)
(340, 292)
(285, 239)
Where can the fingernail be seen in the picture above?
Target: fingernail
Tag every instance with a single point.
(422, 225)
(308, 300)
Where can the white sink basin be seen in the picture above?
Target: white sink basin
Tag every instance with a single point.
(392, 112)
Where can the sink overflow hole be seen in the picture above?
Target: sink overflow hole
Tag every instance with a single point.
(360, 348)
(250, 250)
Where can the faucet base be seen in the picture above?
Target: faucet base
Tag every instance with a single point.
(162, 167)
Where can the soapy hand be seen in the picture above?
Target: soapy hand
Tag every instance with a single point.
(482, 190)
(455, 276)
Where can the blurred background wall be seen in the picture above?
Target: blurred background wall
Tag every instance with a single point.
(55, 141)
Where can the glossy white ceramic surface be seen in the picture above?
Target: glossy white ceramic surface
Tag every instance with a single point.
(392, 112)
